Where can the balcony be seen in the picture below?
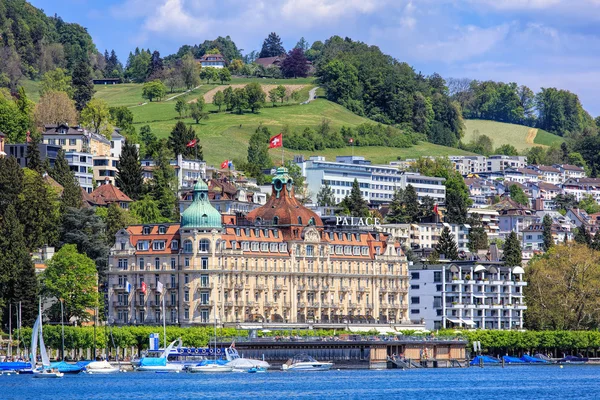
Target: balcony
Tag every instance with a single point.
(497, 306)
(521, 283)
(119, 304)
(229, 304)
(520, 307)
(172, 285)
(206, 285)
(471, 282)
(362, 289)
(270, 304)
(118, 286)
(260, 287)
(497, 282)
(483, 306)
(314, 305)
(470, 306)
(344, 289)
(369, 306)
(239, 286)
(278, 287)
(509, 283)
(457, 282)
(287, 305)
(383, 289)
(457, 305)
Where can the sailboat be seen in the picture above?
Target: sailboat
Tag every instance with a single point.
(212, 365)
(45, 371)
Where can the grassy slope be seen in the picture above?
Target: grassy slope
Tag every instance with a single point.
(503, 133)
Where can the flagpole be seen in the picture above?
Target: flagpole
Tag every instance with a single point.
(164, 321)
(282, 163)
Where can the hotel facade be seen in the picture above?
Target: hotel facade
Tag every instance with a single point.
(279, 264)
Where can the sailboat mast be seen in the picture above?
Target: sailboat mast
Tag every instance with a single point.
(10, 329)
(164, 322)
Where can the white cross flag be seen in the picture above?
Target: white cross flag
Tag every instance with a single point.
(159, 287)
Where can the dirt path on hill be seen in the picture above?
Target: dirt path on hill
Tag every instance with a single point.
(531, 134)
(208, 96)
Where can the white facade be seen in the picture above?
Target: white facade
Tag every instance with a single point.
(466, 165)
(187, 171)
(82, 166)
(426, 236)
(116, 144)
(489, 220)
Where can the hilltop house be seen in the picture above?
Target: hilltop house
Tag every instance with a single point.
(212, 60)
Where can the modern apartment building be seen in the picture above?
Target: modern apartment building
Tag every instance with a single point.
(484, 295)
(426, 235)
(82, 166)
(188, 171)
(19, 151)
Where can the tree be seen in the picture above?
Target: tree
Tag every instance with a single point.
(197, 110)
(235, 67)
(273, 96)
(11, 182)
(512, 251)
(156, 66)
(173, 78)
(61, 173)
(295, 64)
(562, 289)
(154, 90)
(326, 197)
(190, 71)
(38, 210)
(56, 80)
(18, 282)
(96, 116)
(596, 241)
(518, 195)
(446, 245)
(13, 122)
(255, 95)
(589, 204)
(115, 219)
(582, 236)
(34, 157)
(258, 149)
(179, 138)
(209, 73)
(272, 46)
(224, 75)
(72, 277)
(130, 177)
(181, 107)
(146, 211)
(164, 185)
(83, 228)
(238, 99)
(83, 86)
(507, 150)
(228, 97)
(478, 239)
(354, 203)
(55, 108)
(302, 44)
(219, 99)
(547, 232)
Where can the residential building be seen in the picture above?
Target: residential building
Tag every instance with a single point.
(377, 182)
(469, 165)
(76, 139)
(489, 220)
(187, 171)
(481, 191)
(105, 169)
(549, 174)
(19, 151)
(521, 175)
(533, 236)
(279, 265)
(212, 60)
(116, 144)
(107, 194)
(513, 216)
(423, 236)
(580, 187)
(543, 195)
(482, 295)
(2, 139)
(569, 171)
(498, 163)
(82, 166)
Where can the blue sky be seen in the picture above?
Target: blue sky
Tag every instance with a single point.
(540, 43)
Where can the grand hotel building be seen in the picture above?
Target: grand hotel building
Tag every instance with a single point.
(280, 264)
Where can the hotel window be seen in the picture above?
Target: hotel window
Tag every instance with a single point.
(365, 251)
(254, 246)
(157, 263)
(310, 250)
(174, 245)
(122, 263)
(246, 246)
(158, 245)
(187, 262)
(203, 246)
(62, 142)
(186, 295)
(338, 249)
(233, 245)
(141, 263)
(266, 233)
(276, 233)
(146, 230)
(257, 232)
(273, 247)
(173, 265)
(187, 246)
(348, 250)
(356, 250)
(204, 263)
(186, 313)
(162, 230)
(283, 247)
(141, 298)
(237, 232)
(264, 247)
(186, 278)
(142, 245)
(72, 142)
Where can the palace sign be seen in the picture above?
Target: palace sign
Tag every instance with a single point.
(356, 221)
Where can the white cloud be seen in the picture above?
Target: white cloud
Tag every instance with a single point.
(328, 9)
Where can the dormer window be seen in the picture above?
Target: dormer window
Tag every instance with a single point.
(158, 245)
(276, 221)
(146, 230)
(299, 220)
(174, 245)
(162, 229)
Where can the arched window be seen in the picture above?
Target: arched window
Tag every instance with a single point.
(204, 219)
(204, 246)
(157, 263)
(299, 220)
(311, 221)
(187, 246)
(276, 221)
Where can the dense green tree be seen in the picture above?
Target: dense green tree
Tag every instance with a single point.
(149, 143)
(255, 96)
(34, 157)
(560, 112)
(163, 186)
(565, 201)
(446, 245)
(325, 197)
(478, 239)
(11, 182)
(582, 236)
(13, 122)
(115, 219)
(181, 107)
(258, 150)
(209, 74)
(138, 65)
(341, 81)
(354, 203)
(156, 67)
(224, 75)
(96, 117)
(302, 44)
(596, 241)
(38, 210)
(518, 195)
(61, 173)
(181, 135)
(130, 177)
(83, 86)
(238, 100)
(512, 250)
(589, 204)
(272, 46)
(57, 80)
(113, 67)
(507, 150)
(228, 97)
(547, 232)
(219, 99)
(197, 111)
(146, 211)
(190, 71)
(154, 90)
(72, 276)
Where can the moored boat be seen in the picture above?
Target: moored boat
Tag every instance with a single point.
(304, 362)
(159, 364)
(37, 334)
(242, 364)
(101, 367)
(211, 366)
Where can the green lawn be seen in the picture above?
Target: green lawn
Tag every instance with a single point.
(503, 133)
(271, 81)
(32, 88)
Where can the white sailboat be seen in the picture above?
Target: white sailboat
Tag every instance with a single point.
(45, 371)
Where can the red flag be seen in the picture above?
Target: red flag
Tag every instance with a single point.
(192, 143)
(276, 141)
(435, 209)
(144, 287)
(224, 164)
(350, 140)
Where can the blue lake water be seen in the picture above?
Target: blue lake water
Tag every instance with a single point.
(515, 382)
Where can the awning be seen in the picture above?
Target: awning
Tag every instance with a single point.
(479, 268)
(479, 296)
(518, 270)
(454, 320)
(468, 322)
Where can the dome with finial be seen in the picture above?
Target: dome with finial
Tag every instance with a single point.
(201, 214)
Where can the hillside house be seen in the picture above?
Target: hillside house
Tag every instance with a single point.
(212, 60)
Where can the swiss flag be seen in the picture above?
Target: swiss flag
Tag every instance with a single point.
(144, 287)
(192, 143)
(435, 209)
(276, 141)
(224, 164)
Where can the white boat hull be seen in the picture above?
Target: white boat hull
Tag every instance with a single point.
(308, 366)
(101, 367)
(162, 368)
(48, 375)
(210, 368)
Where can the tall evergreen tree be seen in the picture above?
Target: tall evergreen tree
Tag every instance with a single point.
(446, 245)
(38, 211)
(34, 157)
(395, 213)
(354, 203)
(130, 178)
(164, 185)
(272, 46)
(582, 236)
(61, 173)
(595, 242)
(512, 250)
(18, 282)
(11, 182)
(325, 197)
(547, 232)
(478, 239)
(179, 138)
(83, 85)
(411, 204)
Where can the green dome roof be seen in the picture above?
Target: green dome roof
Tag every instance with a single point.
(201, 214)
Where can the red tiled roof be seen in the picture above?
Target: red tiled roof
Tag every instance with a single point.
(108, 194)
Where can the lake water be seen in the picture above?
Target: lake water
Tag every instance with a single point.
(515, 382)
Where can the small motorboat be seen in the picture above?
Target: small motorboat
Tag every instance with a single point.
(101, 367)
(159, 364)
(48, 373)
(304, 362)
(66, 368)
(211, 366)
(573, 360)
(241, 364)
(257, 370)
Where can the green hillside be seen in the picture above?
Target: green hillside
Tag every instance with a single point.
(520, 136)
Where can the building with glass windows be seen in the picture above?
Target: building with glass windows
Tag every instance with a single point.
(279, 265)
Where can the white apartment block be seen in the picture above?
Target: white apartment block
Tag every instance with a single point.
(549, 174)
(570, 171)
(582, 187)
(427, 235)
(466, 165)
(187, 171)
(81, 165)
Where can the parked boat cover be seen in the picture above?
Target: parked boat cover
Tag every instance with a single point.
(533, 360)
(83, 364)
(14, 366)
(512, 360)
(153, 362)
(65, 367)
(486, 360)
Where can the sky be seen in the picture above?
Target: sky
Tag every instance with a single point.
(539, 43)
